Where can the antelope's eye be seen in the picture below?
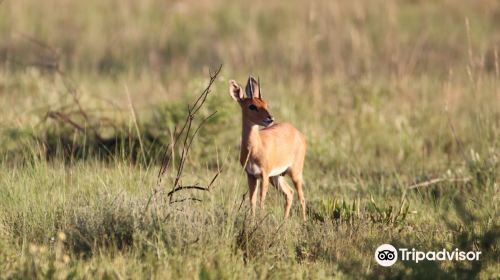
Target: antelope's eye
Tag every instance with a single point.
(253, 108)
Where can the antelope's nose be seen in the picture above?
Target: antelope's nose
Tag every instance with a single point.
(269, 120)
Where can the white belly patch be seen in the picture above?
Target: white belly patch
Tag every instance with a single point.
(254, 169)
(278, 171)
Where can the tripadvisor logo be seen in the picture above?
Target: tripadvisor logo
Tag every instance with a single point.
(387, 255)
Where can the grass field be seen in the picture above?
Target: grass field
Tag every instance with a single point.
(399, 102)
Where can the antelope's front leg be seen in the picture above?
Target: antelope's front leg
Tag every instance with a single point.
(264, 187)
(252, 185)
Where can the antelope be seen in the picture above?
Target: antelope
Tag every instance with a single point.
(269, 153)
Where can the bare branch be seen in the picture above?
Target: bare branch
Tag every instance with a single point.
(40, 43)
(213, 179)
(186, 199)
(242, 200)
(188, 137)
(179, 188)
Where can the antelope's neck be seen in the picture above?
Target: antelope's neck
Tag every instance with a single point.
(250, 140)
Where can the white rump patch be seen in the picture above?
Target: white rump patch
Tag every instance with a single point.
(253, 169)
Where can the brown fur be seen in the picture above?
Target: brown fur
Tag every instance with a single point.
(268, 149)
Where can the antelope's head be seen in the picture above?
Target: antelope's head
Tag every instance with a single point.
(253, 107)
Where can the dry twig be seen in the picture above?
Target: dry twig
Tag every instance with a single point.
(188, 135)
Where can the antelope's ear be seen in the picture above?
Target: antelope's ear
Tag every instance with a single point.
(253, 88)
(235, 91)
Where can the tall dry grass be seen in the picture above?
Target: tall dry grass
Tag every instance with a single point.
(389, 94)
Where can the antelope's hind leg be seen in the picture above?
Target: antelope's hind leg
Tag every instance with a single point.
(298, 183)
(280, 183)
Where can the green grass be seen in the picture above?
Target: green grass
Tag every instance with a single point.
(388, 94)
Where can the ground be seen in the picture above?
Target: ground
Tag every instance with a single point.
(398, 100)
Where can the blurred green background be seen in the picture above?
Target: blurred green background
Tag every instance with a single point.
(388, 94)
